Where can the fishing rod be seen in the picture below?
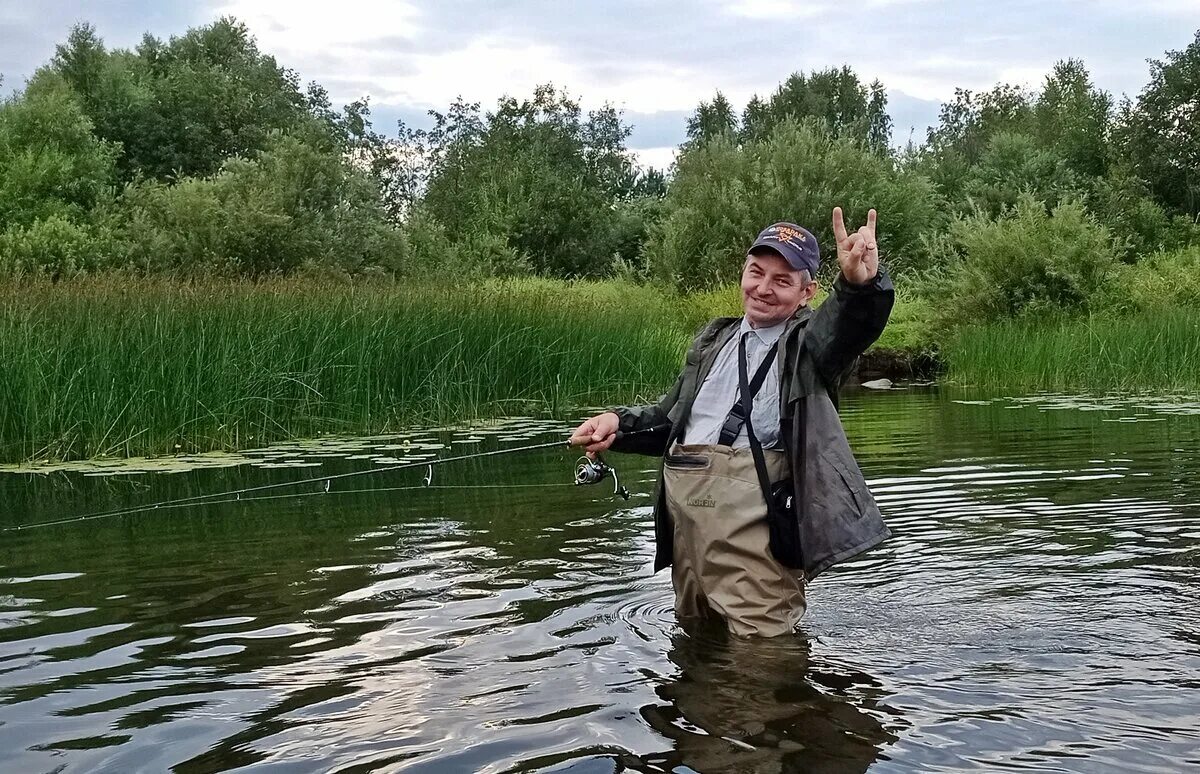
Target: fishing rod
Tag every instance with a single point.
(587, 471)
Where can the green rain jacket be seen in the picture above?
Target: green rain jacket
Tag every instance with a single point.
(837, 518)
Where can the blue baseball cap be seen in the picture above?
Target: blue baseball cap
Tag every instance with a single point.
(797, 245)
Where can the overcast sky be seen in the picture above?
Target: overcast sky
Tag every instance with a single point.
(655, 59)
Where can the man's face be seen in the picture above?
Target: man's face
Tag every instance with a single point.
(772, 290)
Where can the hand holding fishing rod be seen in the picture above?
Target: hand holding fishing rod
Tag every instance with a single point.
(596, 434)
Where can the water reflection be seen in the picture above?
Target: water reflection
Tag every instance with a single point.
(766, 706)
(1036, 608)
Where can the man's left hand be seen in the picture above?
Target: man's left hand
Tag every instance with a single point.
(857, 253)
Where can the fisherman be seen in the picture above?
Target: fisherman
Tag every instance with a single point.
(758, 490)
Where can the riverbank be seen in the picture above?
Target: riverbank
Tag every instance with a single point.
(134, 367)
(122, 367)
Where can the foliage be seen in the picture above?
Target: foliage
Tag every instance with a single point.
(1012, 165)
(835, 98)
(184, 106)
(723, 194)
(51, 164)
(1123, 202)
(534, 178)
(1071, 119)
(55, 247)
(291, 206)
(1028, 262)
(1160, 134)
(712, 120)
(1156, 284)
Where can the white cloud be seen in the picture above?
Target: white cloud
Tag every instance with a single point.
(304, 28)
(658, 158)
(788, 10)
(413, 54)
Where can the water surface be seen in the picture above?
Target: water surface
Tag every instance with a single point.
(1035, 609)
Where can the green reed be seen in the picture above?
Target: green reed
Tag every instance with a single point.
(1146, 350)
(121, 367)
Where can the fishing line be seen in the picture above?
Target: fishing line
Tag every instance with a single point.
(587, 472)
(263, 498)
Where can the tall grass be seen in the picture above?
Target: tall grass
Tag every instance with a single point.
(114, 366)
(1157, 350)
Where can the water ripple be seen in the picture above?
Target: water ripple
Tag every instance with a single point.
(1034, 609)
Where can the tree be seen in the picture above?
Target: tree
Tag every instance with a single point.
(835, 97)
(966, 126)
(1071, 119)
(184, 106)
(534, 181)
(1014, 165)
(711, 120)
(292, 205)
(1160, 134)
(51, 164)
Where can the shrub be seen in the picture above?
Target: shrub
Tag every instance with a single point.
(50, 162)
(292, 206)
(54, 247)
(1158, 282)
(1028, 262)
(1013, 164)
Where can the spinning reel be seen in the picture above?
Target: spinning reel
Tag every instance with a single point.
(589, 471)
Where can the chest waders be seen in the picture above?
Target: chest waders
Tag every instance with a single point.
(723, 564)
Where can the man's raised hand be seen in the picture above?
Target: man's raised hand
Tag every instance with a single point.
(857, 253)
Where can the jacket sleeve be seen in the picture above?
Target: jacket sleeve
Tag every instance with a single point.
(849, 321)
(653, 423)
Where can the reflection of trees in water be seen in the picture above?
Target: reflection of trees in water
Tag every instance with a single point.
(753, 705)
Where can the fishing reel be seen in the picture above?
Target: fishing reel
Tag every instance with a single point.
(593, 471)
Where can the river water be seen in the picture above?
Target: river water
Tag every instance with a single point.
(1036, 609)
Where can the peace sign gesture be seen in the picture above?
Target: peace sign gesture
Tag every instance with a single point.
(857, 253)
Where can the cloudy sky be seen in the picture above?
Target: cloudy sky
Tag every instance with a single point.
(655, 59)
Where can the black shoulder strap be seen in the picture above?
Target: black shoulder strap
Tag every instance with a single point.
(737, 416)
(760, 464)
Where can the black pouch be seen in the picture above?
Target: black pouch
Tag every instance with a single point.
(782, 525)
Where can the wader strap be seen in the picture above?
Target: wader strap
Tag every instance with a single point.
(760, 464)
(738, 415)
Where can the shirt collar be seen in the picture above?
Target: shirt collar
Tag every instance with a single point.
(767, 336)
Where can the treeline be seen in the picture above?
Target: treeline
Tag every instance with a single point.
(203, 156)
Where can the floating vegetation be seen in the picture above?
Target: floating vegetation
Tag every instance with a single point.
(304, 453)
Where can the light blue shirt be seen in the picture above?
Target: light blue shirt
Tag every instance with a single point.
(720, 389)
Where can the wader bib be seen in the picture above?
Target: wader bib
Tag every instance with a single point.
(723, 563)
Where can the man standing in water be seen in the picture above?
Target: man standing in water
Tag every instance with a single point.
(759, 491)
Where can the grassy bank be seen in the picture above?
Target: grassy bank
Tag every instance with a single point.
(119, 367)
(1145, 351)
(115, 366)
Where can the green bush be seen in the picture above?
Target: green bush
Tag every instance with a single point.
(724, 194)
(1011, 165)
(54, 247)
(292, 206)
(1159, 282)
(1141, 226)
(535, 180)
(50, 162)
(1028, 262)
